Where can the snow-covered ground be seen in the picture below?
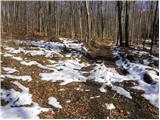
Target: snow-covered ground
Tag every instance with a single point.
(136, 72)
(67, 71)
(15, 99)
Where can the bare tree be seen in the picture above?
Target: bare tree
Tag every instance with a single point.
(119, 5)
(88, 23)
(89, 20)
(154, 23)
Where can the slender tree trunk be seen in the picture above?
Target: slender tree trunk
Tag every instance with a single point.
(80, 21)
(126, 26)
(102, 17)
(154, 21)
(89, 22)
(119, 5)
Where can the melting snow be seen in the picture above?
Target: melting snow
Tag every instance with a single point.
(146, 62)
(151, 92)
(121, 91)
(17, 58)
(87, 90)
(7, 55)
(26, 77)
(102, 88)
(30, 63)
(12, 56)
(35, 52)
(101, 73)
(107, 76)
(73, 44)
(68, 101)
(53, 101)
(13, 50)
(9, 70)
(91, 97)
(22, 112)
(136, 72)
(77, 89)
(23, 88)
(16, 98)
(62, 89)
(110, 106)
(67, 70)
(98, 96)
(50, 48)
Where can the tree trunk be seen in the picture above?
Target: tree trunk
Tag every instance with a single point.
(126, 26)
(88, 23)
(102, 17)
(119, 5)
(80, 21)
(154, 21)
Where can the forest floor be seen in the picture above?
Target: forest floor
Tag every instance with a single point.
(63, 79)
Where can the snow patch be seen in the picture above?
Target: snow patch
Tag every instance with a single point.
(107, 76)
(62, 89)
(102, 88)
(22, 112)
(110, 106)
(53, 101)
(151, 92)
(68, 101)
(23, 88)
(25, 77)
(15, 108)
(121, 91)
(9, 70)
(136, 72)
(12, 56)
(67, 70)
(30, 63)
(51, 48)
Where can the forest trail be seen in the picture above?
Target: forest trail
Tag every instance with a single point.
(57, 81)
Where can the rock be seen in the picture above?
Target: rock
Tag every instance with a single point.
(147, 78)
(157, 73)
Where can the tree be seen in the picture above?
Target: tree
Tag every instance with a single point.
(80, 21)
(88, 20)
(88, 23)
(119, 5)
(126, 26)
(123, 22)
(102, 17)
(154, 23)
